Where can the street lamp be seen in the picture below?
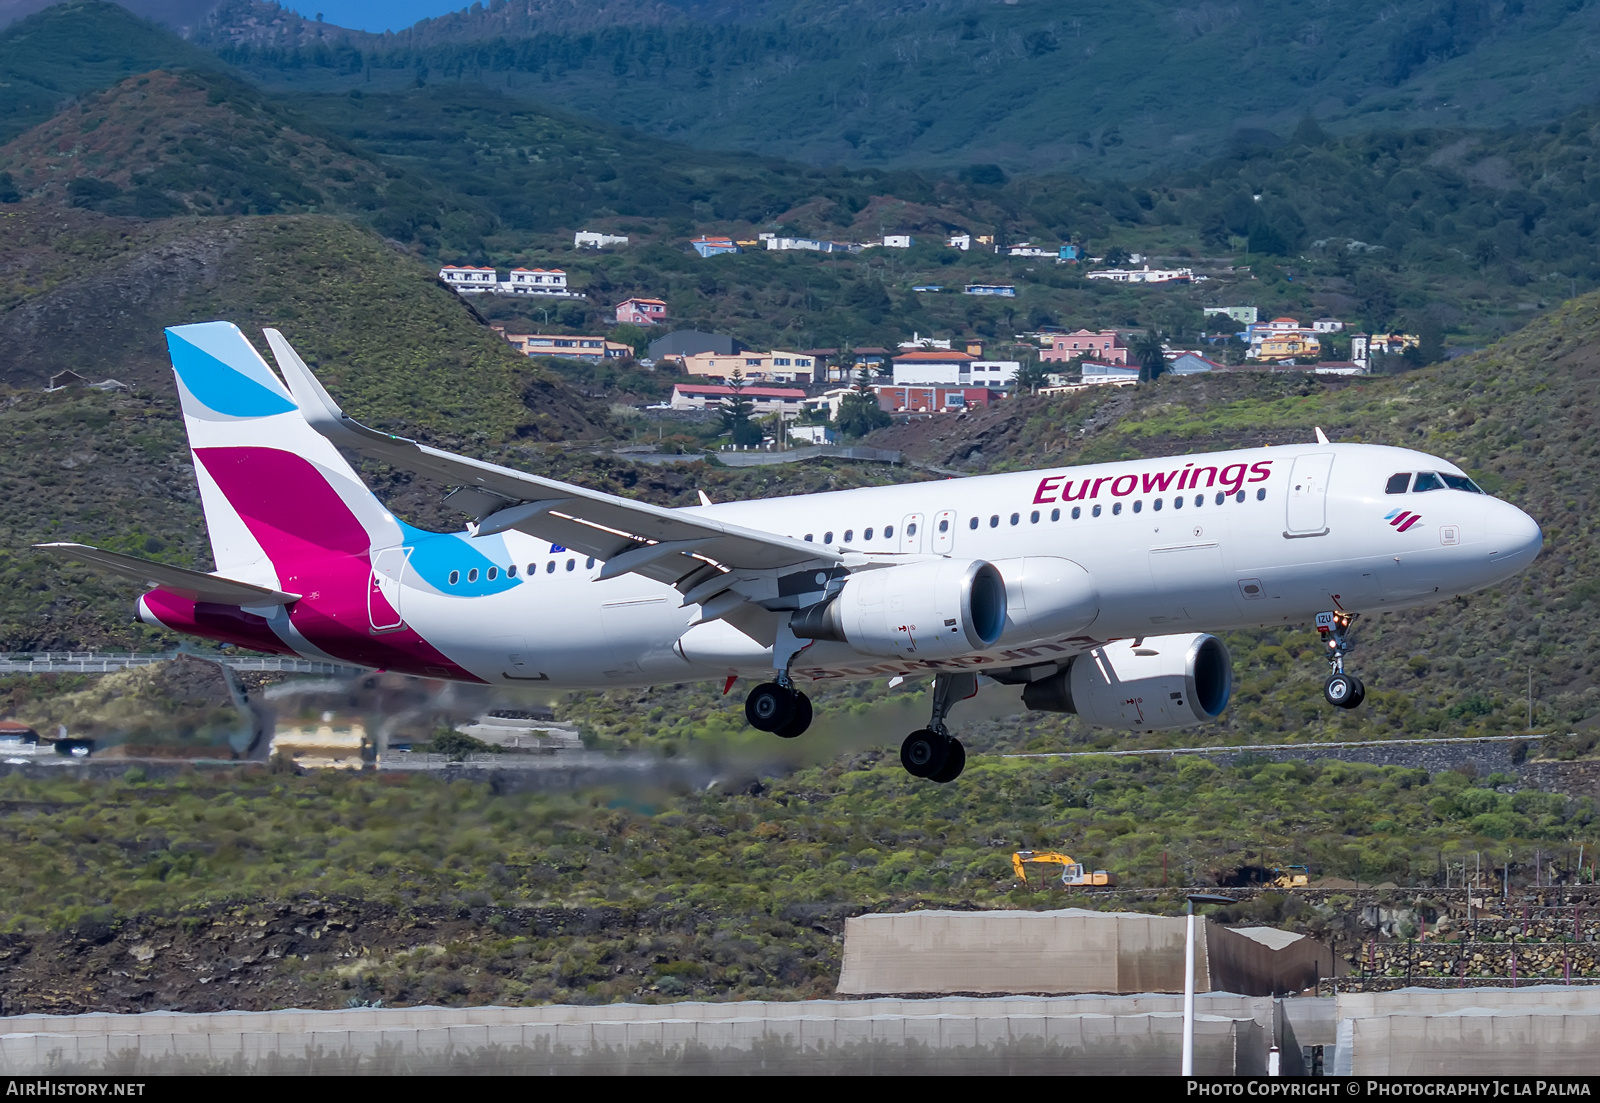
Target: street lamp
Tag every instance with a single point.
(1188, 976)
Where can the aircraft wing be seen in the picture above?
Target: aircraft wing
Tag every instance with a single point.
(191, 584)
(667, 545)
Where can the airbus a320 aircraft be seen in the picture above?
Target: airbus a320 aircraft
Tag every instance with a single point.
(1094, 589)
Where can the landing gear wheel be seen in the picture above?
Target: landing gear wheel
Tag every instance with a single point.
(924, 753)
(1359, 695)
(770, 707)
(953, 765)
(1340, 690)
(800, 721)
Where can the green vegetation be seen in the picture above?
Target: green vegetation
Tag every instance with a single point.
(629, 894)
(80, 46)
(1109, 87)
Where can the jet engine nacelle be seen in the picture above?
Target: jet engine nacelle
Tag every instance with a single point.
(937, 609)
(1148, 684)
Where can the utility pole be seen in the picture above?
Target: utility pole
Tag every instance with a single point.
(1530, 699)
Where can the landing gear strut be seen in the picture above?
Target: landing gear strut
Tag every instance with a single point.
(933, 752)
(1343, 690)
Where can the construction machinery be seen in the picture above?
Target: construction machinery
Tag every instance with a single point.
(1073, 875)
(1291, 877)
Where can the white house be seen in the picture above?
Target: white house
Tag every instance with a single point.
(537, 281)
(920, 342)
(1327, 325)
(897, 241)
(1028, 249)
(593, 239)
(468, 279)
(811, 434)
(994, 373)
(959, 241)
(1144, 275)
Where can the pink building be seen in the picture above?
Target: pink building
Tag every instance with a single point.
(1106, 347)
(642, 312)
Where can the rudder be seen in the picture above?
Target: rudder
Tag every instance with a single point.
(277, 495)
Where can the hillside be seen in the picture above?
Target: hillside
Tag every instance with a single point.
(187, 143)
(78, 46)
(1109, 88)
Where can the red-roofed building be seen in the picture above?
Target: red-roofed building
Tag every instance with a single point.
(641, 312)
(763, 400)
(934, 399)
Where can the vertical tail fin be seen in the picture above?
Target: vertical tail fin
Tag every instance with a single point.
(277, 495)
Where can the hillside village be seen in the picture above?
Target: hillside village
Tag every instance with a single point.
(924, 375)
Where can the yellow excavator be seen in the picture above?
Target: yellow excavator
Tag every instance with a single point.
(1073, 875)
(1291, 877)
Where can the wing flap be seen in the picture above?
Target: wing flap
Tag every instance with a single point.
(191, 584)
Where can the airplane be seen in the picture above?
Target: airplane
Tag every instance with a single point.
(1097, 590)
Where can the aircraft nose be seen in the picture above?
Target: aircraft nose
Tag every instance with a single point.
(1514, 537)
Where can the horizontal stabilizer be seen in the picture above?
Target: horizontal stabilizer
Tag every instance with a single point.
(190, 584)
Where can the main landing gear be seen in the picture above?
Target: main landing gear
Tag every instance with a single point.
(1343, 690)
(782, 710)
(933, 752)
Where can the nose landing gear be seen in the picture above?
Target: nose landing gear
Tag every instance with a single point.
(1343, 690)
(932, 752)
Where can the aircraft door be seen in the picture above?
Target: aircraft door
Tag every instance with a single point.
(944, 531)
(1308, 495)
(912, 537)
(384, 587)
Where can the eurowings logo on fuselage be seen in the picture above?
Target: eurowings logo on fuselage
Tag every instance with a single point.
(1402, 519)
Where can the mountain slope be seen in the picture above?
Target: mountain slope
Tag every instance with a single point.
(1106, 88)
(78, 46)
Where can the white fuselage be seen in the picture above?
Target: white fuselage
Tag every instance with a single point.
(1315, 530)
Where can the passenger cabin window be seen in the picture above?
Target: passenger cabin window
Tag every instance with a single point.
(888, 532)
(972, 524)
(1177, 503)
(1055, 515)
(550, 567)
(494, 573)
(827, 538)
(911, 529)
(944, 526)
(849, 535)
(590, 563)
(1116, 508)
(1461, 482)
(1033, 518)
(472, 575)
(1138, 507)
(511, 571)
(455, 576)
(867, 535)
(1015, 517)
(1426, 480)
(994, 521)
(571, 563)
(1077, 511)
(1096, 511)
(808, 538)
(1397, 483)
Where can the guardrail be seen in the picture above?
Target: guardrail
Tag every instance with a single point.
(98, 662)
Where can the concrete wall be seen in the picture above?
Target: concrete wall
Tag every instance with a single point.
(937, 1036)
(1072, 950)
(1475, 1042)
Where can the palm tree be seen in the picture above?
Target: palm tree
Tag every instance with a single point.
(1149, 353)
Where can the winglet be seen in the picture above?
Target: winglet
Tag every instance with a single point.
(317, 406)
(705, 499)
(1322, 438)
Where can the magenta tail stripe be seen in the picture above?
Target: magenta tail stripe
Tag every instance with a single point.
(319, 549)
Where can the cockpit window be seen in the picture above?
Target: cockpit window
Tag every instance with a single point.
(1426, 480)
(1461, 482)
(1397, 483)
